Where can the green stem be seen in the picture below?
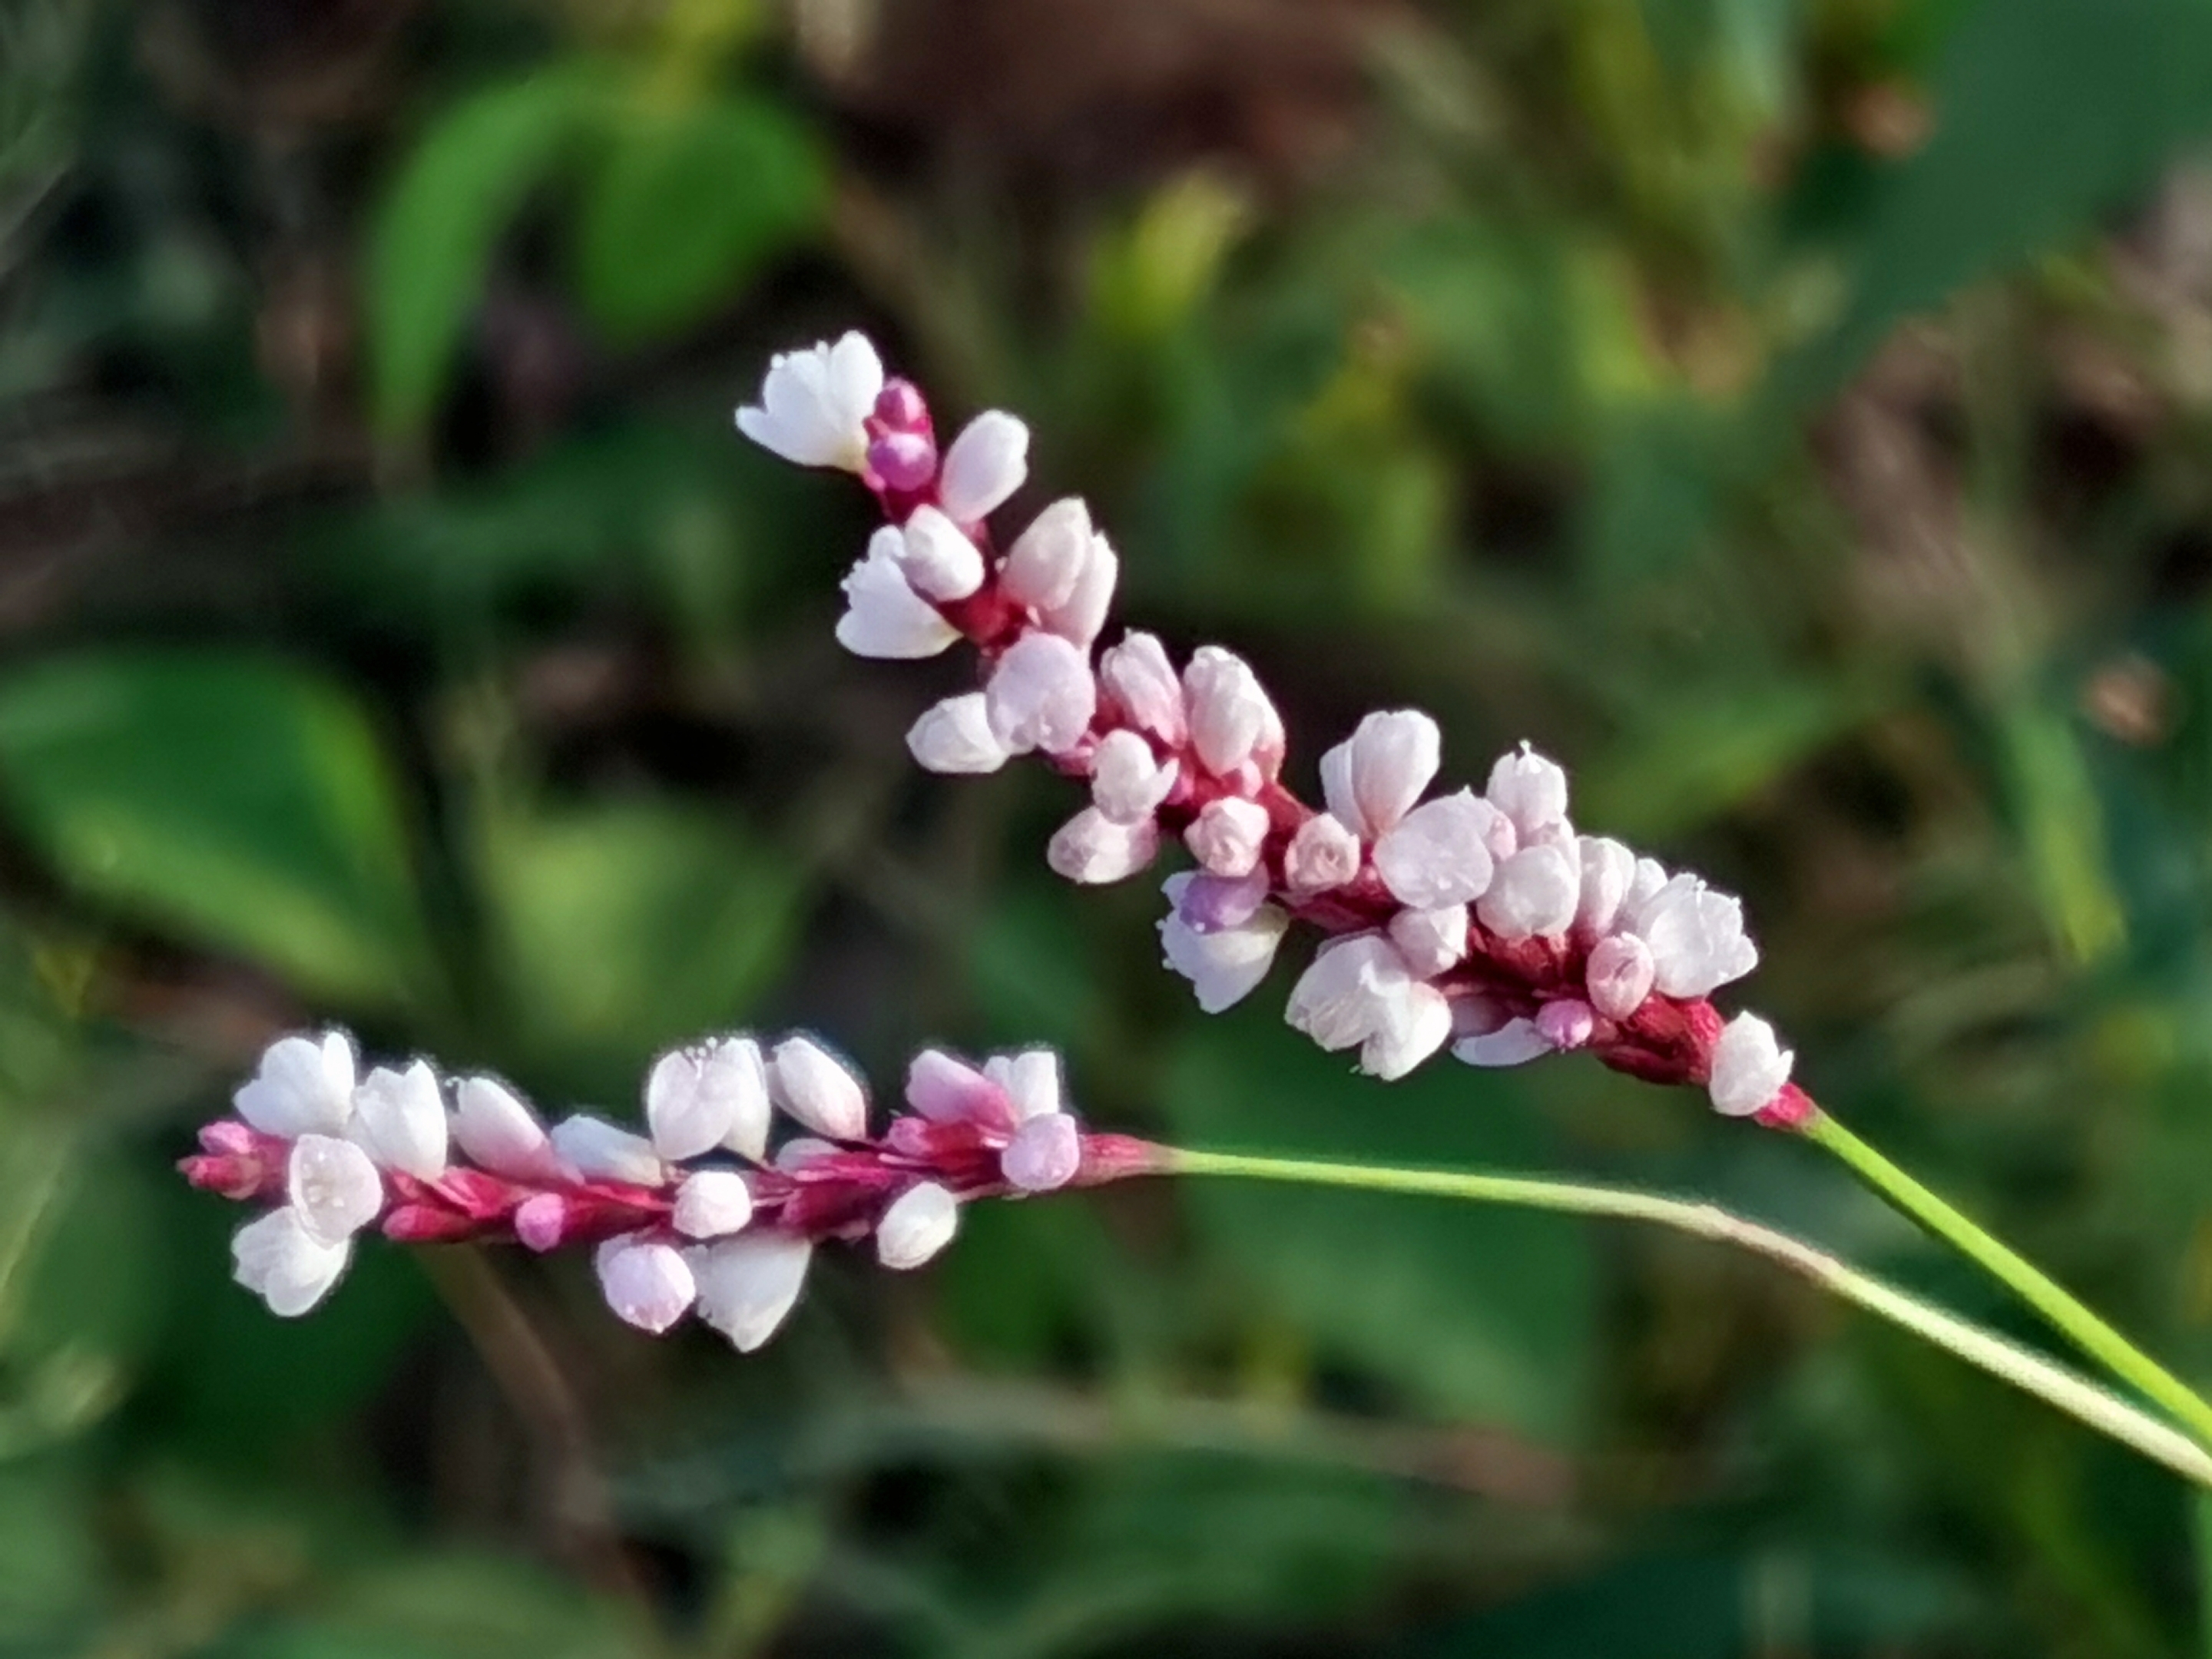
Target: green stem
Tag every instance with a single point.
(2086, 1329)
(1999, 1356)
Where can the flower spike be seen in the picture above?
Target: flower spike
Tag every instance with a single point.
(1479, 920)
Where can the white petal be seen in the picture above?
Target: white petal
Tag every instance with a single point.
(816, 1088)
(1348, 992)
(920, 1223)
(1649, 882)
(1042, 566)
(1533, 894)
(1417, 1022)
(1372, 778)
(955, 737)
(939, 562)
(747, 1285)
(399, 1120)
(855, 377)
(1079, 619)
(712, 1094)
(814, 404)
(1430, 940)
(1129, 781)
(1608, 871)
(277, 1259)
(1139, 681)
(498, 1133)
(884, 615)
(1620, 975)
(1514, 1044)
(1323, 854)
(1041, 695)
(1228, 836)
(1229, 713)
(1529, 789)
(1697, 938)
(986, 464)
(1031, 1079)
(303, 1085)
(1749, 1067)
(1226, 966)
(648, 1285)
(1439, 854)
(334, 1188)
(1092, 849)
(712, 1204)
(600, 1150)
(948, 1090)
(1044, 1155)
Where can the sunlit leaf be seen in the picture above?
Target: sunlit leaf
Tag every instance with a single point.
(239, 802)
(685, 204)
(442, 218)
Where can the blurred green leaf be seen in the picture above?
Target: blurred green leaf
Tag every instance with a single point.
(2046, 112)
(233, 1383)
(686, 202)
(1477, 1313)
(243, 803)
(625, 926)
(50, 1567)
(433, 238)
(2061, 829)
(1681, 1605)
(1688, 758)
(454, 1605)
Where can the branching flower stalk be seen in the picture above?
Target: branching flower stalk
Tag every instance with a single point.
(1483, 922)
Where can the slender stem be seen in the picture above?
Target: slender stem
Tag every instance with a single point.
(1999, 1356)
(2086, 1329)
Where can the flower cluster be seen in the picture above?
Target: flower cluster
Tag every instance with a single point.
(1483, 921)
(753, 1154)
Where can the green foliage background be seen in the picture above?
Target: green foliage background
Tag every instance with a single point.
(1794, 414)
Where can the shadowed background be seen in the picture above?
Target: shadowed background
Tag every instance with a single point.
(1794, 415)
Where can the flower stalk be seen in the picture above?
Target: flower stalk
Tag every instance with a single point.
(2006, 1360)
(2066, 1313)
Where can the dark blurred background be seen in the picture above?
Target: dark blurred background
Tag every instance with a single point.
(1794, 414)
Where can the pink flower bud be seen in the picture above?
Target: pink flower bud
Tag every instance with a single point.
(1620, 975)
(955, 737)
(985, 466)
(648, 1285)
(1041, 695)
(1228, 836)
(1092, 849)
(1128, 781)
(1229, 713)
(1324, 853)
(1567, 1022)
(1532, 895)
(1044, 1155)
(938, 561)
(920, 1223)
(1140, 682)
(1749, 1067)
(1528, 789)
(807, 1081)
(1430, 940)
(748, 1284)
(1042, 568)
